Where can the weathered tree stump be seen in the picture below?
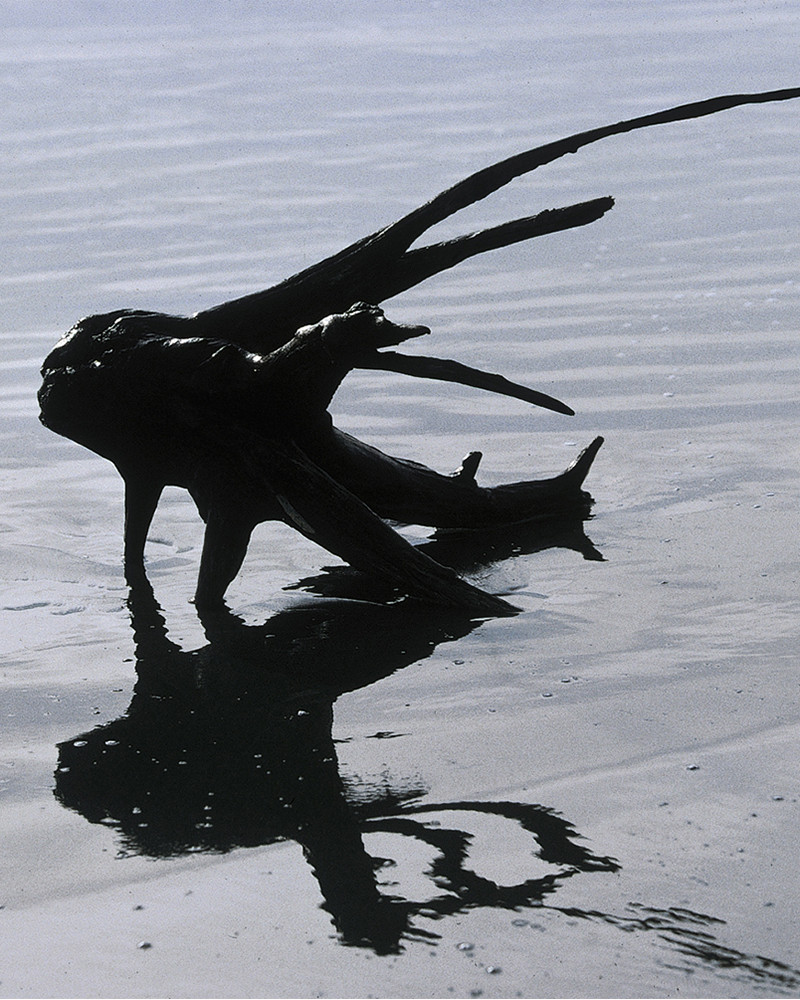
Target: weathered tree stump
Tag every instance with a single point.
(232, 403)
(250, 438)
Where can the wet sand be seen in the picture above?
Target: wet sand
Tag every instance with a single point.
(335, 796)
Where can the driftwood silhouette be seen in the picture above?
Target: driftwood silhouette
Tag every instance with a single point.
(231, 403)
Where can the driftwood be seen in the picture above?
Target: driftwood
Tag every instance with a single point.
(231, 403)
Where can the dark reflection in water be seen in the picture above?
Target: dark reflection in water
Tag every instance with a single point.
(464, 551)
(231, 745)
(692, 946)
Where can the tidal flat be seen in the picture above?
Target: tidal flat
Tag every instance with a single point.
(339, 795)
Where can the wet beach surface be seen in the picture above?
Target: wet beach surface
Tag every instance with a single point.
(324, 794)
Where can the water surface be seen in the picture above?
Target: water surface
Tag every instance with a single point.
(647, 703)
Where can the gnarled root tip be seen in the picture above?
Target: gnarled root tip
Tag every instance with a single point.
(579, 470)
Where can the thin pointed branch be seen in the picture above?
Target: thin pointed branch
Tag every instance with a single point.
(454, 371)
(417, 265)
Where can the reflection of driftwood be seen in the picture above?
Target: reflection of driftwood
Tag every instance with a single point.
(466, 552)
(232, 403)
(230, 745)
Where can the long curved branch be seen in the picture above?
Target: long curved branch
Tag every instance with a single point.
(266, 319)
(453, 371)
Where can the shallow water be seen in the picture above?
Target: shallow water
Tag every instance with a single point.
(647, 703)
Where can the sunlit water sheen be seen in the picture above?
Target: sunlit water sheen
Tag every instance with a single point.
(172, 159)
